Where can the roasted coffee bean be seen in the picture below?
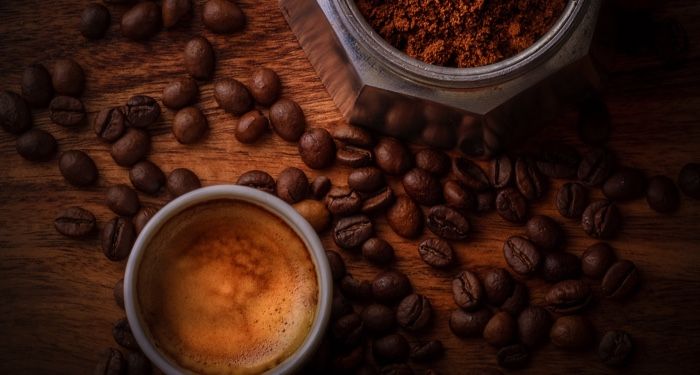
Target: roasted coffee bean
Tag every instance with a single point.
(625, 184)
(141, 111)
(118, 293)
(457, 196)
(621, 280)
(434, 161)
(199, 60)
(378, 319)
(528, 179)
(688, 180)
(662, 194)
(320, 186)
(513, 357)
(36, 145)
(422, 186)
(377, 201)
(594, 121)
(251, 126)
(470, 174)
(558, 161)
(568, 296)
(67, 78)
(485, 201)
(223, 16)
(521, 255)
(571, 332)
(15, 116)
(94, 21)
(232, 96)
(37, 89)
(142, 21)
(517, 301)
(356, 289)
(287, 119)
(147, 177)
(348, 330)
(337, 265)
(66, 111)
(292, 185)
(111, 362)
(260, 180)
(467, 291)
(436, 253)
(75, 222)
(595, 167)
(572, 200)
(137, 364)
(392, 156)
(397, 369)
(597, 259)
(498, 285)
(142, 218)
(340, 305)
(131, 147)
(447, 223)
(117, 238)
(109, 124)
(615, 348)
(414, 312)
(544, 232)
(315, 213)
(469, 324)
(122, 200)
(189, 125)
(265, 86)
(346, 361)
(353, 136)
(560, 266)
(180, 93)
(533, 326)
(352, 156)
(511, 205)
(366, 179)
(182, 180)
(343, 202)
(427, 351)
(317, 148)
(390, 287)
(391, 349)
(500, 330)
(378, 251)
(405, 217)
(174, 11)
(77, 168)
(351, 232)
(501, 171)
(601, 219)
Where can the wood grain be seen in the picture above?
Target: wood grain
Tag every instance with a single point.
(56, 309)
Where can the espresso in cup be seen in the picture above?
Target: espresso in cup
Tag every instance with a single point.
(226, 287)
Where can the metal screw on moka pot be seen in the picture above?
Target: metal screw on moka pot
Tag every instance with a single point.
(479, 110)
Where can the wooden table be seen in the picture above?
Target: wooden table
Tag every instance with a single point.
(57, 309)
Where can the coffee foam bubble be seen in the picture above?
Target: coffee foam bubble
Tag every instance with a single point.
(228, 288)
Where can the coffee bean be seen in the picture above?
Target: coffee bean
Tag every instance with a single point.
(447, 223)
(594, 121)
(232, 96)
(94, 21)
(340, 305)
(137, 364)
(377, 201)
(37, 89)
(223, 16)
(315, 213)
(521, 255)
(621, 280)
(348, 331)
(414, 312)
(174, 11)
(433, 161)
(320, 186)
(366, 179)
(142, 218)
(265, 86)
(560, 266)
(615, 348)
(392, 156)
(122, 200)
(517, 301)
(457, 196)
(422, 186)
(595, 167)
(111, 362)
(292, 185)
(117, 238)
(597, 259)
(662, 194)
(511, 205)
(688, 180)
(181, 181)
(131, 147)
(544, 232)
(199, 60)
(391, 349)
(470, 174)
(251, 126)
(572, 200)
(397, 369)
(501, 171)
(469, 324)
(337, 265)
(378, 251)
(118, 293)
(379, 319)
(180, 93)
(109, 124)
(147, 177)
(15, 116)
(189, 125)
(258, 180)
(343, 202)
(568, 296)
(558, 161)
(142, 21)
(356, 289)
(390, 287)
(287, 119)
(352, 156)
(405, 217)
(467, 291)
(528, 179)
(74, 222)
(571, 332)
(77, 168)
(66, 111)
(498, 285)
(625, 184)
(513, 357)
(347, 361)
(533, 326)
(351, 232)
(436, 253)
(121, 331)
(485, 201)
(353, 136)
(500, 330)
(141, 111)
(67, 78)
(36, 145)
(317, 148)
(601, 219)
(427, 351)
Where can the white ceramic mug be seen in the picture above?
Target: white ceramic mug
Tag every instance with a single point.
(266, 201)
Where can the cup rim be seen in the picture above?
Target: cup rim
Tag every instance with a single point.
(273, 205)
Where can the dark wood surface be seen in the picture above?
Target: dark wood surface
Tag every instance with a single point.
(56, 305)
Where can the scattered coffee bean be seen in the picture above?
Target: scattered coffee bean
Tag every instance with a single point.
(498, 285)
(366, 179)
(142, 21)
(180, 93)
(317, 148)
(528, 179)
(470, 174)
(147, 177)
(422, 186)
(390, 287)
(36, 145)
(287, 119)
(392, 156)
(337, 265)
(141, 111)
(356, 289)
(533, 326)
(109, 124)
(594, 126)
(351, 232)
(347, 361)
(571, 332)
(501, 171)
(122, 200)
(182, 180)
(378, 251)
(485, 201)
(265, 86)
(597, 259)
(343, 202)
(174, 11)
(37, 89)
(513, 357)
(405, 217)
(560, 266)
(391, 349)
(131, 147)
(500, 330)
(377, 201)
(353, 136)
(689, 180)
(15, 116)
(511, 205)
(137, 364)
(111, 362)
(315, 213)
(427, 351)
(397, 369)
(75, 222)
(568, 296)
(352, 156)
(94, 21)
(517, 301)
(292, 185)
(572, 200)
(625, 184)
(143, 217)
(521, 255)
(467, 291)
(199, 59)
(223, 16)
(621, 280)
(414, 312)
(66, 111)
(469, 324)
(258, 180)
(379, 319)
(77, 168)
(434, 161)
(662, 194)
(251, 126)
(601, 219)
(340, 304)
(117, 238)
(67, 78)
(457, 196)
(118, 293)
(436, 253)
(544, 232)
(615, 348)
(558, 161)
(595, 167)
(232, 96)
(189, 125)
(348, 331)
(447, 223)
(320, 186)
